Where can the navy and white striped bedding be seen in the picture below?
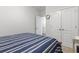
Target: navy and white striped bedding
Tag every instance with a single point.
(29, 43)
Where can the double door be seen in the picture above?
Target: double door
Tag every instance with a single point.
(63, 25)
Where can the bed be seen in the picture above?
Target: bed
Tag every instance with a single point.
(29, 43)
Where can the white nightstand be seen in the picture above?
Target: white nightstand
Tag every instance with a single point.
(75, 43)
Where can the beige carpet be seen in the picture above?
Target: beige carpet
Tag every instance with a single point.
(67, 49)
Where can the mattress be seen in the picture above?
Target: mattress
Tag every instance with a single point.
(29, 43)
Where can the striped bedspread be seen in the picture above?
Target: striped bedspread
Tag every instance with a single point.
(29, 43)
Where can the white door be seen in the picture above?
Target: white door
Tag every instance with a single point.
(38, 25)
(69, 26)
(43, 25)
(53, 25)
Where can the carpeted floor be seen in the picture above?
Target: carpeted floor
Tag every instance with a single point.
(67, 49)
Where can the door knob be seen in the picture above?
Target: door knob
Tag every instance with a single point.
(62, 29)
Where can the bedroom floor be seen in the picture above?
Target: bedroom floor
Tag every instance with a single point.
(67, 49)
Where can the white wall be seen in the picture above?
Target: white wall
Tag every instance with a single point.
(41, 9)
(17, 20)
(42, 13)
